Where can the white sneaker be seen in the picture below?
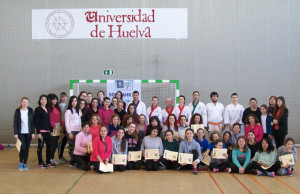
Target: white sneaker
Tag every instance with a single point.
(53, 161)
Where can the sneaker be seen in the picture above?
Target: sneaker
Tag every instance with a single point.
(226, 170)
(195, 170)
(253, 171)
(72, 165)
(259, 173)
(229, 170)
(20, 167)
(25, 167)
(51, 165)
(203, 168)
(271, 174)
(215, 170)
(53, 162)
(289, 172)
(62, 159)
(42, 166)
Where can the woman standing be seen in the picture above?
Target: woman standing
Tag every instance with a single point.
(171, 125)
(105, 112)
(131, 110)
(114, 125)
(95, 124)
(141, 126)
(24, 130)
(102, 148)
(280, 121)
(44, 131)
(119, 96)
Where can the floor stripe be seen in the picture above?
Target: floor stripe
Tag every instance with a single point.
(215, 182)
(241, 183)
(259, 184)
(75, 183)
(287, 185)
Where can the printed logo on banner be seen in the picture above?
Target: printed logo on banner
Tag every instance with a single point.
(124, 85)
(59, 23)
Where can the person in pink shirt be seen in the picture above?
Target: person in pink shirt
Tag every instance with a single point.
(251, 125)
(55, 121)
(102, 148)
(81, 151)
(105, 112)
(95, 124)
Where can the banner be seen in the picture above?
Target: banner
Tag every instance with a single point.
(125, 86)
(122, 23)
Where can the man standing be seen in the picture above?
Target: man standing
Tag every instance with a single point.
(198, 107)
(215, 113)
(252, 109)
(139, 105)
(168, 110)
(233, 112)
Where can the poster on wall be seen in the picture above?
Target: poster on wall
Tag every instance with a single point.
(125, 86)
(121, 23)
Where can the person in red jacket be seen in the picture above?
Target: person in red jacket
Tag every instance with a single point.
(105, 112)
(102, 148)
(251, 125)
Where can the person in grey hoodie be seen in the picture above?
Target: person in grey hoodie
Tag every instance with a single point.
(287, 148)
(152, 141)
(120, 146)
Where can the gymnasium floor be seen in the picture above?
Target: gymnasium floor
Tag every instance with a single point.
(64, 179)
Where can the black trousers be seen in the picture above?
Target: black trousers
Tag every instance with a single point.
(54, 145)
(278, 138)
(172, 165)
(119, 168)
(195, 157)
(72, 146)
(134, 165)
(62, 145)
(272, 168)
(220, 167)
(82, 161)
(96, 167)
(151, 165)
(45, 138)
(24, 151)
(235, 169)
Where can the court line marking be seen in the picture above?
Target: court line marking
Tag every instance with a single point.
(74, 184)
(259, 184)
(214, 180)
(241, 183)
(287, 185)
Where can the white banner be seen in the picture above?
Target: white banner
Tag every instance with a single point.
(122, 23)
(125, 86)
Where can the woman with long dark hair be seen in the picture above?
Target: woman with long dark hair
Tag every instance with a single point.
(120, 146)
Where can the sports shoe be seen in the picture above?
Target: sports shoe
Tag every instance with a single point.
(203, 168)
(53, 161)
(20, 167)
(226, 170)
(229, 170)
(289, 172)
(271, 174)
(51, 165)
(62, 159)
(259, 173)
(25, 167)
(42, 166)
(215, 170)
(195, 170)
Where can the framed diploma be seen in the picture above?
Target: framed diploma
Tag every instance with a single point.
(287, 159)
(18, 145)
(134, 155)
(185, 158)
(90, 147)
(206, 159)
(119, 159)
(57, 131)
(106, 167)
(151, 154)
(219, 153)
(196, 127)
(170, 155)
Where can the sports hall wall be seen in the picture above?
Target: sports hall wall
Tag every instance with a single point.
(251, 47)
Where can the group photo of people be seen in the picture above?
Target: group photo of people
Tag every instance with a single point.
(104, 135)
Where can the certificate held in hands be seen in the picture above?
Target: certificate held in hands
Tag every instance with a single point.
(185, 158)
(134, 155)
(119, 159)
(287, 159)
(151, 154)
(18, 145)
(196, 127)
(170, 155)
(219, 153)
(57, 130)
(90, 147)
(106, 167)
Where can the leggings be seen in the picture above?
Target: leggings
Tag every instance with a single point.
(195, 157)
(72, 146)
(279, 138)
(151, 165)
(82, 161)
(45, 138)
(220, 167)
(134, 165)
(54, 145)
(172, 165)
(24, 152)
(62, 145)
(272, 168)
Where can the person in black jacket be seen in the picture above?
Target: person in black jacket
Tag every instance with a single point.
(44, 131)
(280, 121)
(24, 130)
